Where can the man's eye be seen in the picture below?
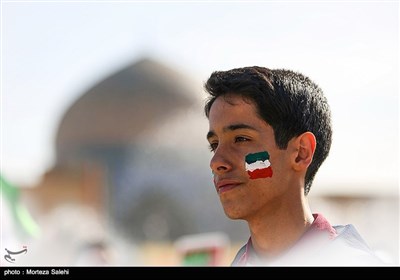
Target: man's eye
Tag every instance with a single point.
(213, 146)
(241, 139)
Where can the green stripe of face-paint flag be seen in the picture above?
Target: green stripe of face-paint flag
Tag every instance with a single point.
(261, 156)
(20, 214)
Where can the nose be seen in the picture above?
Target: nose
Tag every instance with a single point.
(219, 162)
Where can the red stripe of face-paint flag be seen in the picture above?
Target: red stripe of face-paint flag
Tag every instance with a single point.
(260, 173)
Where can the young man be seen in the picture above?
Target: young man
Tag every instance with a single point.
(270, 131)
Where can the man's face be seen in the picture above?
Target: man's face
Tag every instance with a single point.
(251, 175)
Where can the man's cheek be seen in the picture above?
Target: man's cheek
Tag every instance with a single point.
(258, 166)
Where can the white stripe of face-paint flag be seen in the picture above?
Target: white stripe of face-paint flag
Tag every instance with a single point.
(257, 165)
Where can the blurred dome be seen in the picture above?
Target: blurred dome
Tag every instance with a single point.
(119, 108)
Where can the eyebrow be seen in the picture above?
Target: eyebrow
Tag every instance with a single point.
(231, 127)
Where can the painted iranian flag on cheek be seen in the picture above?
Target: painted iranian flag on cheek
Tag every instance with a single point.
(258, 165)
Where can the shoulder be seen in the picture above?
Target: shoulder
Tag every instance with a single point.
(350, 249)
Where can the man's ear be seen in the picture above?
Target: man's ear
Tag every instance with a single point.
(305, 147)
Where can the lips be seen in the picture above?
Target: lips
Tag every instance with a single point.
(226, 185)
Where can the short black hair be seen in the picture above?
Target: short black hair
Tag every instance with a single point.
(288, 101)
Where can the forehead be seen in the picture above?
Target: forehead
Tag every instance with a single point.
(233, 112)
(231, 105)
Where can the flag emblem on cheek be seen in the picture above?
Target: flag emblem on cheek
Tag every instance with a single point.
(258, 165)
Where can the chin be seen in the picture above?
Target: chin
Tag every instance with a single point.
(233, 215)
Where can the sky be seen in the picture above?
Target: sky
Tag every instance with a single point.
(52, 51)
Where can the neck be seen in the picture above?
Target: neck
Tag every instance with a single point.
(278, 227)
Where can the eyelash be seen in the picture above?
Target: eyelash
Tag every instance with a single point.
(213, 146)
(241, 137)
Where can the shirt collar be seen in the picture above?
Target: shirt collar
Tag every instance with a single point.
(319, 225)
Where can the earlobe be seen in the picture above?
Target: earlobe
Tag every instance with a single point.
(306, 144)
